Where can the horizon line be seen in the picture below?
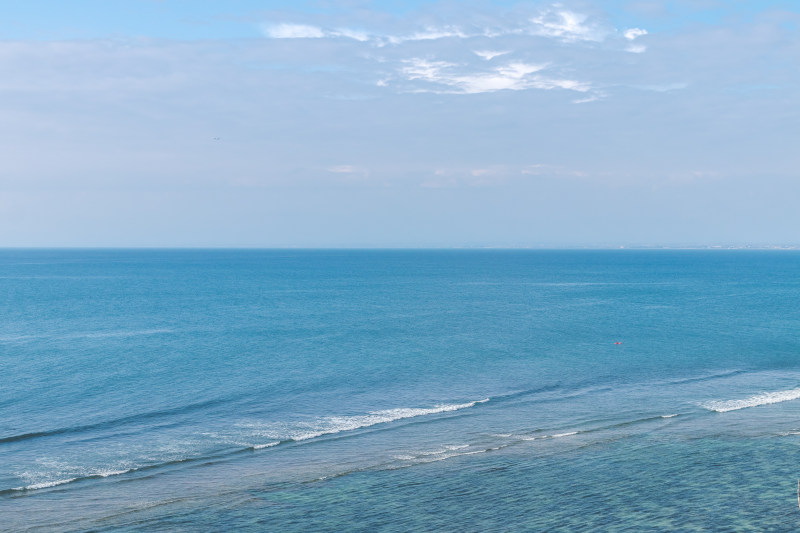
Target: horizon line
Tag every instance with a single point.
(711, 247)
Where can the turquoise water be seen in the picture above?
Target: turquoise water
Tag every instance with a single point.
(399, 390)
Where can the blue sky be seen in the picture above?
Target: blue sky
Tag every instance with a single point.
(398, 124)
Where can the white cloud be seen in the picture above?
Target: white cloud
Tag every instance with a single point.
(432, 33)
(305, 31)
(431, 56)
(294, 31)
(554, 22)
(488, 55)
(515, 76)
(422, 69)
(633, 33)
(351, 34)
(566, 26)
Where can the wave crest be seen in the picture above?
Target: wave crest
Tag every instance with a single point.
(757, 400)
(300, 431)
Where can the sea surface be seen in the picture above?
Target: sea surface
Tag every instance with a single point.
(485, 391)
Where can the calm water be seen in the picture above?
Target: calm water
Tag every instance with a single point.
(399, 390)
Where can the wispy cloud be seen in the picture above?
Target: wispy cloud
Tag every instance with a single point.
(567, 26)
(444, 77)
(498, 175)
(488, 55)
(516, 51)
(306, 31)
(431, 33)
(554, 22)
(294, 31)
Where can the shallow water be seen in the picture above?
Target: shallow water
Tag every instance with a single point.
(399, 390)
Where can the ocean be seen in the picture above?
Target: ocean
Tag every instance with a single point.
(399, 390)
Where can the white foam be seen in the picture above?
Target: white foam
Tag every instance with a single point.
(267, 445)
(559, 435)
(82, 475)
(442, 454)
(300, 431)
(47, 484)
(669, 416)
(446, 449)
(107, 473)
(766, 398)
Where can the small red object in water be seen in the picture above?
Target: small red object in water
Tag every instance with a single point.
(617, 343)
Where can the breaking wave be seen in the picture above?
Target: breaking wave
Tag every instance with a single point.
(766, 398)
(300, 431)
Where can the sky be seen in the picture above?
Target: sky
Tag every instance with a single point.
(356, 123)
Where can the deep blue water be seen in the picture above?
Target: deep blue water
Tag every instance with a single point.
(399, 390)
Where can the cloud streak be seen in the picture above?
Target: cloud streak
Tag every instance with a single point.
(443, 77)
(474, 56)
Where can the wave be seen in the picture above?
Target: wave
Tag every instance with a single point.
(757, 400)
(267, 445)
(46, 484)
(601, 426)
(706, 377)
(554, 436)
(527, 392)
(301, 431)
(441, 454)
(56, 482)
(110, 424)
(277, 435)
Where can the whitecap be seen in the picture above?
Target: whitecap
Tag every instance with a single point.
(300, 431)
(47, 484)
(107, 473)
(757, 400)
(267, 445)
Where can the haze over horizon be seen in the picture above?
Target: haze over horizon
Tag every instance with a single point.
(177, 123)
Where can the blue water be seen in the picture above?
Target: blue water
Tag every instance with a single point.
(399, 390)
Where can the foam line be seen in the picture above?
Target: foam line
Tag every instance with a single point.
(766, 398)
(301, 431)
(55, 483)
(267, 445)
